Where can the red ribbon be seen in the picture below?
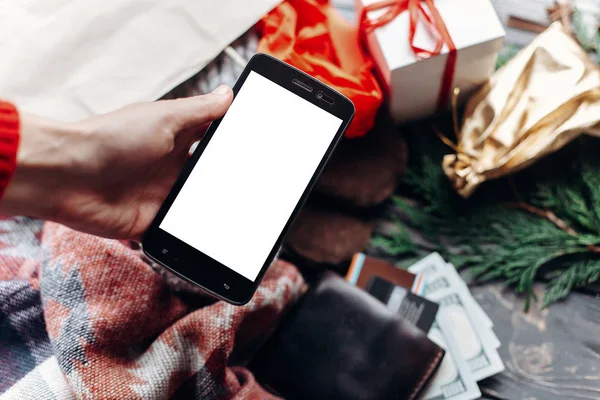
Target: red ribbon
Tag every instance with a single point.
(432, 19)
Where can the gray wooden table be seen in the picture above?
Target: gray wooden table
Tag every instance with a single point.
(549, 354)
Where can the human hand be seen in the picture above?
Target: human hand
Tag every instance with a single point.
(108, 175)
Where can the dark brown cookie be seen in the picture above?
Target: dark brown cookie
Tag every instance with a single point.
(365, 171)
(328, 236)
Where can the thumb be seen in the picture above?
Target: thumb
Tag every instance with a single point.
(199, 110)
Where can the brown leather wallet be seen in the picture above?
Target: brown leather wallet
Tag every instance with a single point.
(340, 343)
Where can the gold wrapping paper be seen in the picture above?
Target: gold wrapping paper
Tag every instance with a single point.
(543, 98)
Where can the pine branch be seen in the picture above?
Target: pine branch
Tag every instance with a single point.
(549, 215)
(398, 244)
(557, 223)
(578, 275)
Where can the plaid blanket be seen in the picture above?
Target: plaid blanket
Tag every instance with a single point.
(86, 317)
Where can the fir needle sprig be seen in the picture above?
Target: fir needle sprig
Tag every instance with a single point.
(550, 233)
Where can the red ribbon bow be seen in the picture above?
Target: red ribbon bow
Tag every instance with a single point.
(433, 21)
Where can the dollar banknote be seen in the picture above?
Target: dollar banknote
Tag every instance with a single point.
(472, 328)
(453, 380)
(477, 349)
(440, 282)
(441, 275)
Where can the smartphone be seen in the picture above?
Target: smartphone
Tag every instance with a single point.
(227, 214)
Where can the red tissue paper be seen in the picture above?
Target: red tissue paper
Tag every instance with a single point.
(312, 36)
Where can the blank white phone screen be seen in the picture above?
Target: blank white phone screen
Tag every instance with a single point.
(248, 180)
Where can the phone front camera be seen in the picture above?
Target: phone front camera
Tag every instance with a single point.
(320, 95)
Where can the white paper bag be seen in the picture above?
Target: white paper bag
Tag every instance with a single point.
(69, 59)
(413, 86)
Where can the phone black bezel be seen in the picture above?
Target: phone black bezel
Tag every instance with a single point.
(197, 267)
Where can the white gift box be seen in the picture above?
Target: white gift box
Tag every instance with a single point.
(412, 86)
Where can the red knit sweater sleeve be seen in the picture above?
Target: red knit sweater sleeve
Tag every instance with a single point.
(9, 143)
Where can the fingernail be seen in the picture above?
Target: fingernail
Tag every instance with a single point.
(223, 89)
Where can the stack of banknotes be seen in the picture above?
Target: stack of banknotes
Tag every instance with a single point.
(462, 328)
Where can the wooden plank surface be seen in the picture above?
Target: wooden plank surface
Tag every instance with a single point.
(549, 354)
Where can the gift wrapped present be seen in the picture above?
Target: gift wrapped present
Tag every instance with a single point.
(539, 101)
(424, 49)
